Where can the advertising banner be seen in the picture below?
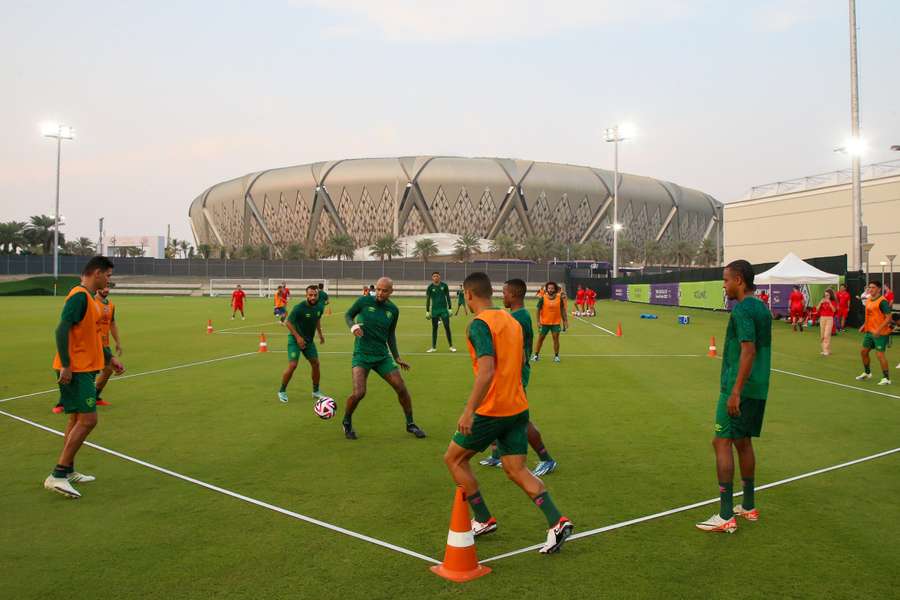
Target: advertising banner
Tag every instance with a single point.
(702, 294)
(639, 292)
(620, 292)
(664, 293)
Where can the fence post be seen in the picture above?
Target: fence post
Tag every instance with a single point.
(226, 267)
(244, 268)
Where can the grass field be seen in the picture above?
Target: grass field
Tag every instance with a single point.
(629, 420)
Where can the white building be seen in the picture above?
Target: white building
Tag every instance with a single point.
(153, 246)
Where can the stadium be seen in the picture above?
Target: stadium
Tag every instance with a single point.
(407, 196)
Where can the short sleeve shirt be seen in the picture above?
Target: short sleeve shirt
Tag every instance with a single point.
(750, 321)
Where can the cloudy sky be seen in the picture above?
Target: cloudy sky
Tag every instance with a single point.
(168, 98)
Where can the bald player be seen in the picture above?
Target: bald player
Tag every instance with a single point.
(373, 320)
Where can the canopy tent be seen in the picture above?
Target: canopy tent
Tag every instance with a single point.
(794, 270)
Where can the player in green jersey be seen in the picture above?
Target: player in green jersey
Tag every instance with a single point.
(324, 298)
(514, 292)
(461, 301)
(437, 308)
(744, 388)
(303, 323)
(373, 320)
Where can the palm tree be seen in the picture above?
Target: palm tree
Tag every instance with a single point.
(247, 252)
(39, 231)
(204, 250)
(386, 247)
(264, 252)
(504, 246)
(535, 248)
(466, 245)
(594, 250)
(171, 250)
(628, 251)
(83, 247)
(184, 246)
(425, 249)
(133, 251)
(651, 252)
(681, 252)
(11, 238)
(708, 254)
(294, 252)
(340, 245)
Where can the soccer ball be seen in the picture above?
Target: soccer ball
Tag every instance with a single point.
(325, 407)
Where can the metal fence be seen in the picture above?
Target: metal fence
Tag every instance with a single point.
(287, 269)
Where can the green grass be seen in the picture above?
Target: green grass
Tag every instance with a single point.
(631, 434)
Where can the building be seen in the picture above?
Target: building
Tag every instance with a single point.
(407, 196)
(151, 246)
(812, 216)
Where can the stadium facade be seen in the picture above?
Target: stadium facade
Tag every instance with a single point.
(488, 197)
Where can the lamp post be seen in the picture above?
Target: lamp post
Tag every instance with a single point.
(891, 258)
(856, 190)
(867, 247)
(60, 133)
(883, 265)
(615, 134)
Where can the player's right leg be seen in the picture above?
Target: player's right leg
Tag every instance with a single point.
(286, 378)
(540, 342)
(78, 398)
(747, 460)
(555, 335)
(457, 458)
(864, 354)
(434, 330)
(360, 375)
(559, 527)
(395, 380)
(546, 465)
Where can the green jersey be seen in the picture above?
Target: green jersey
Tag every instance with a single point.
(305, 317)
(750, 321)
(323, 297)
(437, 298)
(379, 325)
(521, 315)
(460, 297)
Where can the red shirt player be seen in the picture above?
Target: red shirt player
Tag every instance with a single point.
(843, 297)
(285, 292)
(580, 300)
(764, 297)
(797, 307)
(237, 302)
(889, 296)
(591, 300)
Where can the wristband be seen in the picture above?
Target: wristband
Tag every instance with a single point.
(355, 327)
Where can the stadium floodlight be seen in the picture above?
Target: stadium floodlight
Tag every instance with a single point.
(58, 132)
(615, 134)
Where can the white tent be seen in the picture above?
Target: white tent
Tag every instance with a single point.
(794, 270)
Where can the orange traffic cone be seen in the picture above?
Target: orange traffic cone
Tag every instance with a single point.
(460, 560)
(712, 347)
(263, 344)
(209, 328)
(619, 330)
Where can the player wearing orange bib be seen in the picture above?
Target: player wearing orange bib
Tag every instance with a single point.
(497, 409)
(877, 329)
(280, 304)
(108, 327)
(551, 313)
(79, 356)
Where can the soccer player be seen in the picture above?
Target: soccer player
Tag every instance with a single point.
(108, 326)
(303, 323)
(280, 305)
(461, 301)
(237, 301)
(591, 296)
(797, 306)
(579, 301)
(373, 320)
(843, 311)
(497, 409)
(744, 388)
(437, 308)
(551, 311)
(79, 356)
(877, 328)
(514, 292)
(323, 298)
(286, 292)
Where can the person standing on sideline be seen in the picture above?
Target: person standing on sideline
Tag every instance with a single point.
(877, 329)
(437, 308)
(237, 302)
(827, 309)
(461, 301)
(744, 388)
(797, 307)
(843, 298)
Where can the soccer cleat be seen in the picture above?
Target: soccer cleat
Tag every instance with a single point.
(535, 358)
(58, 409)
(348, 431)
(232, 318)
(751, 514)
(414, 429)
(430, 350)
(490, 461)
(717, 524)
(544, 467)
(884, 381)
(556, 358)
(556, 536)
(317, 395)
(101, 402)
(863, 376)
(479, 528)
(282, 396)
(76, 477)
(242, 319)
(61, 485)
(452, 349)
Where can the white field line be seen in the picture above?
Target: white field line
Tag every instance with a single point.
(405, 335)
(141, 374)
(445, 354)
(236, 495)
(687, 507)
(612, 333)
(843, 385)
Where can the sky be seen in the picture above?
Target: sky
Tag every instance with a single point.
(170, 98)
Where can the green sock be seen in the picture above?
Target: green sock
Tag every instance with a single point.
(283, 388)
(315, 388)
(726, 500)
(495, 452)
(551, 513)
(409, 418)
(543, 454)
(482, 514)
(749, 501)
(868, 369)
(60, 471)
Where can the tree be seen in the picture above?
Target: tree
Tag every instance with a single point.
(708, 254)
(11, 236)
(294, 252)
(386, 247)
(681, 252)
(628, 251)
(204, 250)
(341, 246)
(425, 249)
(264, 252)
(171, 250)
(595, 250)
(184, 246)
(134, 251)
(535, 248)
(82, 247)
(465, 246)
(504, 246)
(39, 232)
(651, 252)
(247, 252)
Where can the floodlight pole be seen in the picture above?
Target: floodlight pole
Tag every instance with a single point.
(857, 253)
(891, 258)
(616, 202)
(56, 214)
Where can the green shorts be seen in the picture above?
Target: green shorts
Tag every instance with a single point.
(747, 424)
(383, 366)
(511, 434)
(879, 344)
(440, 314)
(545, 329)
(310, 352)
(79, 395)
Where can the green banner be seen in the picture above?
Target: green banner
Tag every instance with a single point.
(702, 294)
(639, 292)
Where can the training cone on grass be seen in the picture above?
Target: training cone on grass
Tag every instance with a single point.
(712, 347)
(263, 344)
(460, 559)
(209, 328)
(619, 330)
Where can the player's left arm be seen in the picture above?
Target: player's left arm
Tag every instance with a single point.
(480, 337)
(537, 311)
(392, 342)
(563, 304)
(888, 323)
(114, 332)
(746, 333)
(447, 295)
(428, 301)
(319, 330)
